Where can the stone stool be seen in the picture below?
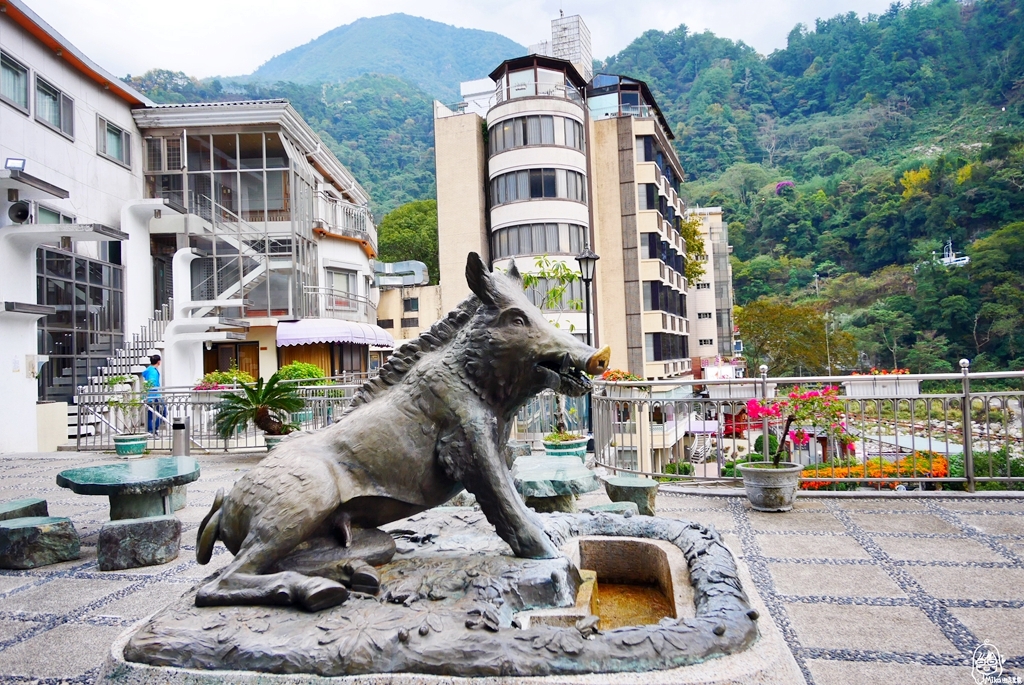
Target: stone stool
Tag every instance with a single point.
(639, 490)
(30, 541)
(23, 507)
(131, 543)
(621, 508)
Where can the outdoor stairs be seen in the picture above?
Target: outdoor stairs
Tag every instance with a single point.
(128, 361)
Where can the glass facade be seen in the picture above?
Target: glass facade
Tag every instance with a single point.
(88, 324)
(538, 184)
(535, 130)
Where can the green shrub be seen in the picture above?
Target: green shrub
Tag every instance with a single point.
(678, 469)
(302, 371)
(773, 444)
(230, 377)
(988, 464)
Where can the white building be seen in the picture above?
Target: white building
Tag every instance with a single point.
(113, 208)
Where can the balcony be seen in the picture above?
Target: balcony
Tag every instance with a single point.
(345, 220)
(328, 303)
(541, 89)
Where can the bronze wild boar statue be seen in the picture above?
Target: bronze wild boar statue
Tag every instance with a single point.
(434, 422)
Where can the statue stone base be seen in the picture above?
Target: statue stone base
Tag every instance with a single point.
(448, 609)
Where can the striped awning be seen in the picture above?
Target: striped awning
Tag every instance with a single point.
(308, 331)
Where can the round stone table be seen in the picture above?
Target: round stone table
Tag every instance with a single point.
(637, 489)
(137, 489)
(551, 483)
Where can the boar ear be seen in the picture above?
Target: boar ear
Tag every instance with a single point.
(514, 274)
(479, 278)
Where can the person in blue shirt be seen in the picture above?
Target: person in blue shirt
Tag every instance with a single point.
(155, 411)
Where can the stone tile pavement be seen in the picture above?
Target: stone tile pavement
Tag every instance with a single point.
(864, 591)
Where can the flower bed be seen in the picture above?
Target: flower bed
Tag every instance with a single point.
(918, 465)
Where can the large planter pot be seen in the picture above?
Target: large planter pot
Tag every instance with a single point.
(567, 448)
(626, 392)
(738, 390)
(132, 445)
(768, 488)
(272, 440)
(882, 386)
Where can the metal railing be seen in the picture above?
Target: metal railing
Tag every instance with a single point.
(323, 405)
(903, 436)
(345, 218)
(537, 417)
(532, 89)
(331, 303)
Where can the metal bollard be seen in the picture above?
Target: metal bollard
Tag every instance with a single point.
(179, 437)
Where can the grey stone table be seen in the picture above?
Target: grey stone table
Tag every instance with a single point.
(637, 489)
(137, 489)
(551, 484)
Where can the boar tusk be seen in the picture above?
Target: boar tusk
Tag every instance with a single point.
(598, 364)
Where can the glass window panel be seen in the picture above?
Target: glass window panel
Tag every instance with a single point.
(513, 241)
(67, 115)
(252, 201)
(523, 184)
(525, 240)
(561, 187)
(539, 239)
(165, 185)
(154, 154)
(226, 190)
(630, 99)
(574, 240)
(173, 154)
(536, 183)
(507, 136)
(47, 216)
(550, 82)
(250, 150)
(503, 243)
(277, 158)
(13, 82)
(198, 153)
(47, 103)
(551, 242)
(57, 265)
(96, 273)
(549, 183)
(519, 131)
(602, 106)
(278, 196)
(521, 84)
(225, 152)
(114, 143)
(547, 130)
(533, 127)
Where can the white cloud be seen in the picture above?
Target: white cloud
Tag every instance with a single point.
(229, 37)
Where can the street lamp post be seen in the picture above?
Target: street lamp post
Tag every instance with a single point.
(588, 263)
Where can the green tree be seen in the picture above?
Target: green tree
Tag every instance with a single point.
(791, 338)
(410, 233)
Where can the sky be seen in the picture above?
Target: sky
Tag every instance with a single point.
(233, 37)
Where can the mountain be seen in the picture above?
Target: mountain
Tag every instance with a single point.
(434, 56)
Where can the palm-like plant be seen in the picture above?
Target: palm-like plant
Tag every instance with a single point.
(267, 406)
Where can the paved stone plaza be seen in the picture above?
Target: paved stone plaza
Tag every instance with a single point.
(864, 590)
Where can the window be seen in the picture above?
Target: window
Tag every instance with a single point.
(411, 322)
(386, 323)
(537, 239)
(704, 315)
(13, 83)
(704, 342)
(411, 304)
(45, 215)
(54, 108)
(113, 142)
(537, 184)
(342, 286)
(533, 130)
(703, 286)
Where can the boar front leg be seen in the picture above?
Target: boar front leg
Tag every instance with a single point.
(472, 457)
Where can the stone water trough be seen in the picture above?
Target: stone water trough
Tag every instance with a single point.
(662, 600)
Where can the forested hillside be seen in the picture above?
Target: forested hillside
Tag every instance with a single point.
(855, 154)
(434, 56)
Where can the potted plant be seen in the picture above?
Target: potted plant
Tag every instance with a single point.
(772, 486)
(564, 443)
(619, 376)
(303, 374)
(266, 405)
(128, 405)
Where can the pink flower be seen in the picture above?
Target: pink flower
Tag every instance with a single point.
(799, 437)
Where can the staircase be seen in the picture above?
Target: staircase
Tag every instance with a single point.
(129, 360)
